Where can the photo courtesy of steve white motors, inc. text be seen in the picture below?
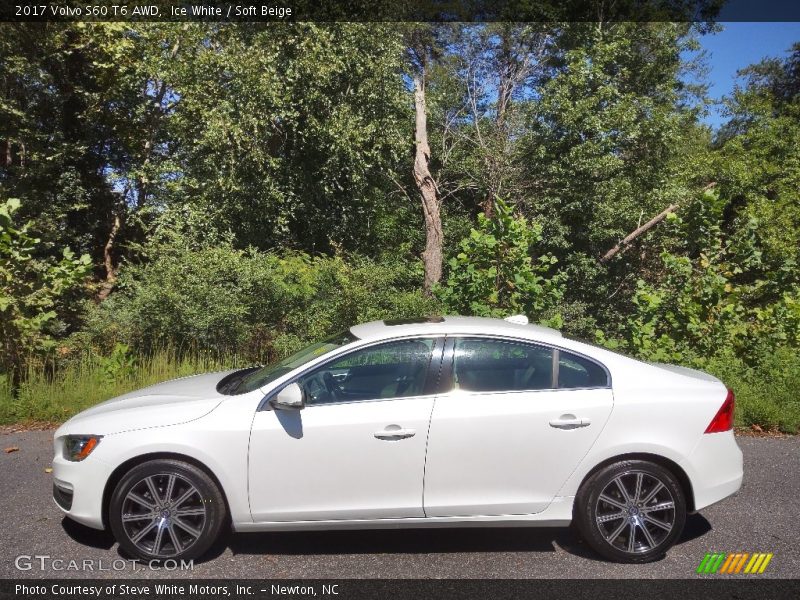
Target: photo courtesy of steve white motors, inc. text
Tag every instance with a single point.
(170, 589)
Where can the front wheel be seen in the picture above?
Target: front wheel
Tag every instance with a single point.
(166, 509)
(631, 511)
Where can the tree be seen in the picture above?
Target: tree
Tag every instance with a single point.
(32, 293)
(62, 89)
(757, 160)
(285, 134)
(423, 48)
(610, 142)
(496, 67)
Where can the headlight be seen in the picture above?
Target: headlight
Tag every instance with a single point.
(78, 447)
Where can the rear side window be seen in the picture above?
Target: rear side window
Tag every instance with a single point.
(492, 365)
(485, 365)
(578, 372)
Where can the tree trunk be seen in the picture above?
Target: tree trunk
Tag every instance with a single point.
(108, 260)
(150, 130)
(506, 77)
(626, 241)
(432, 256)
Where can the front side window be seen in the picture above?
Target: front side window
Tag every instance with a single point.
(485, 365)
(392, 370)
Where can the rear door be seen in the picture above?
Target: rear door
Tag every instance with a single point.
(516, 422)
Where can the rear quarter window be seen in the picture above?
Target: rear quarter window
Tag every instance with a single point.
(577, 372)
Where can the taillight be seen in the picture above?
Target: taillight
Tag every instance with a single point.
(723, 420)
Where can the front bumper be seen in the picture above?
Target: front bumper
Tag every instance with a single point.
(63, 494)
(78, 489)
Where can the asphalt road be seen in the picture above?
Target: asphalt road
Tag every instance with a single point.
(763, 517)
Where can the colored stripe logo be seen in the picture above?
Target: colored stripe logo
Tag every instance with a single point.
(734, 562)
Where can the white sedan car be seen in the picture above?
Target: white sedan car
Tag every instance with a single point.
(433, 422)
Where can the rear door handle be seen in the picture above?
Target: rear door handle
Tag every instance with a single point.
(395, 432)
(569, 422)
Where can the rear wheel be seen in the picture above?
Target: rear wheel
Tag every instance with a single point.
(166, 509)
(631, 511)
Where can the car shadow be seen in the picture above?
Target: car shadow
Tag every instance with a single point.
(696, 526)
(392, 541)
(395, 541)
(430, 540)
(94, 538)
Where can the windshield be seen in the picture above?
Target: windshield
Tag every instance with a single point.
(252, 380)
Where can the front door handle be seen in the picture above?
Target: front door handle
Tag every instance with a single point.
(569, 422)
(395, 432)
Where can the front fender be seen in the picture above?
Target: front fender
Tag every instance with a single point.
(218, 441)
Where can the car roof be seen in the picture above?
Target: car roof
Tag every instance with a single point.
(378, 330)
(624, 370)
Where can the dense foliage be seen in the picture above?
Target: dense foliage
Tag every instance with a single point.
(205, 194)
(258, 305)
(34, 293)
(499, 269)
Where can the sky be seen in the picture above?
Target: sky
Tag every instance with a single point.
(739, 45)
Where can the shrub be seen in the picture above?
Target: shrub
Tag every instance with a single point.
(249, 303)
(497, 271)
(32, 291)
(766, 394)
(723, 297)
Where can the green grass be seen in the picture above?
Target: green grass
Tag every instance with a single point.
(79, 384)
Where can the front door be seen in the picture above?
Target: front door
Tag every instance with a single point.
(357, 450)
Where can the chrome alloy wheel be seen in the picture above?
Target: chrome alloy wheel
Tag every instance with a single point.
(635, 512)
(163, 515)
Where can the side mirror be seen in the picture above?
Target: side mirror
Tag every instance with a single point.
(289, 398)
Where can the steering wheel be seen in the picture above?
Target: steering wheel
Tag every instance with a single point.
(330, 384)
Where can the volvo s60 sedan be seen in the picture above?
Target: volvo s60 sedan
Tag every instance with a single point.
(431, 422)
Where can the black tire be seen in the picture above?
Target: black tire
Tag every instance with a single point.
(169, 527)
(610, 535)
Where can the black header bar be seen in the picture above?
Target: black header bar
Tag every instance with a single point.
(399, 10)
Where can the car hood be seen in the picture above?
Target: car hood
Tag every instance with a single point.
(168, 403)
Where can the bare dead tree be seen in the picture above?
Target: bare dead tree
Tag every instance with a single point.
(432, 255)
(423, 45)
(501, 61)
